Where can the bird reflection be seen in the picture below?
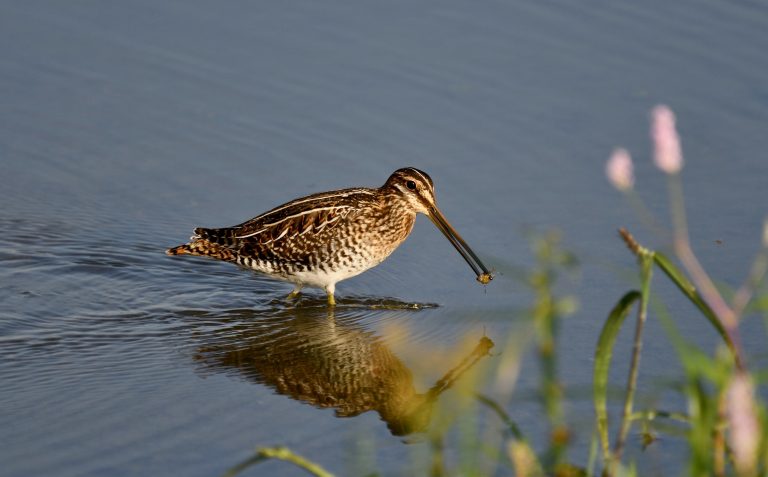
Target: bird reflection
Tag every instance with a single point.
(330, 362)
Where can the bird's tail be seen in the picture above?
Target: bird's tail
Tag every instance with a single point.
(205, 248)
(223, 236)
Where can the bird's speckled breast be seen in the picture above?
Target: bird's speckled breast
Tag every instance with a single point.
(356, 243)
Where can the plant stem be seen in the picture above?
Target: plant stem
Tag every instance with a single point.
(646, 216)
(718, 439)
(437, 469)
(513, 428)
(547, 322)
(699, 276)
(756, 275)
(281, 453)
(646, 272)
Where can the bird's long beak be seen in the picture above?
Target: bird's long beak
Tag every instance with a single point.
(483, 274)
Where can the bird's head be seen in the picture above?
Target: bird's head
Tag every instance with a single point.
(418, 191)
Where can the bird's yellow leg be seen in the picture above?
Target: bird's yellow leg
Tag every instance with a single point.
(329, 290)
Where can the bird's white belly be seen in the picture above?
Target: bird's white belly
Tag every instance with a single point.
(326, 275)
(322, 279)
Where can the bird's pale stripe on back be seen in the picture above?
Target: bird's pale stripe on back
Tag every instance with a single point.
(306, 212)
(336, 193)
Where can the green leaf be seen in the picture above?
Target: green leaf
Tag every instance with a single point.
(685, 286)
(512, 426)
(603, 355)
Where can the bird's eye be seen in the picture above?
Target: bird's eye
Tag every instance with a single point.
(411, 185)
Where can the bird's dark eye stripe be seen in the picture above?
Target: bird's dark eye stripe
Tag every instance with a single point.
(411, 185)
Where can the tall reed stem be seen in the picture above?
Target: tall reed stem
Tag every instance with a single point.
(646, 272)
(699, 276)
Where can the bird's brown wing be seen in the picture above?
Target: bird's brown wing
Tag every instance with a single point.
(306, 215)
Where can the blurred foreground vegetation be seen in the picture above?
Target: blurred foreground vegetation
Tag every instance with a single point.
(724, 421)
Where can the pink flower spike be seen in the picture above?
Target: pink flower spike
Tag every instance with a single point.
(668, 154)
(744, 436)
(620, 171)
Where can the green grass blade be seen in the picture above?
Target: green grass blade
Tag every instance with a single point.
(685, 286)
(512, 426)
(253, 460)
(521, 454)
(603, 355)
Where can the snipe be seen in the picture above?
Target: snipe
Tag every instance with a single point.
(321, 239)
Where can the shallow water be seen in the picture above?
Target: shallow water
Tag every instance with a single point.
(123, 127)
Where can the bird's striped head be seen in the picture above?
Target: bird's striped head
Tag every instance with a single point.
(417, 189)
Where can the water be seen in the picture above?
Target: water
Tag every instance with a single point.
(124, 126)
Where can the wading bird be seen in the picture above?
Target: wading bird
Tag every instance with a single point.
(321, 239)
